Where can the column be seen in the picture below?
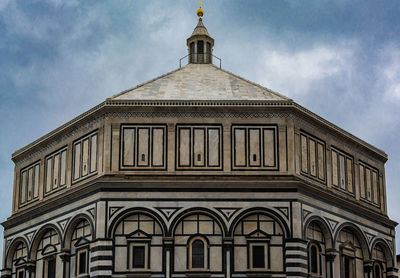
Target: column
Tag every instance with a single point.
(168, 247)
(296, 257)
(368, 269)
(31, 269)
(227, 249)
(392, 272)
(330, 259)
(6, 273)
(65, 258)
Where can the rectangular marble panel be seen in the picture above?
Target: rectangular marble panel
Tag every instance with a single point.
(206, 228)
(269, 147)
(313, 166)
(63, 168)
(276, 259)
(93, 154)
(335, 177)
(49, 173)
(368, 184)
(36, 181)
(56, 171)
(199, 146)
(214, 147)
(85, 157)
(143, 146)
(254, 147)
(375, 190)
(30, 184)
(158, 147)
(77, 161)
(184, 147)
(362, 182)
(129, 146)
(240, 147)
(342, 171)
(304, 154)
(321, 161)
(349, 169)
(24, 184)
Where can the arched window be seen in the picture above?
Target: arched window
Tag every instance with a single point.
(258, 235)
(138, 236)
(47, 250)
(198, 254)
(191, 57)
(314, 259)
(200, 51)
(379, 258)
(19, 260)
(351, 253)
(80, 240)
(377, 271)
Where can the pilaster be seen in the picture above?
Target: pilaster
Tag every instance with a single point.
(296, 258)
(101, 258)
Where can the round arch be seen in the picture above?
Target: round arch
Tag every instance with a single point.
(190, 211)
(324, 227)
(11, 249)
(38, 237)
(360, 236)
(261, 210)
(387, 250)
(71, 226)
(130, 211)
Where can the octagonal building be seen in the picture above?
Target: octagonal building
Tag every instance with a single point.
(199, 173)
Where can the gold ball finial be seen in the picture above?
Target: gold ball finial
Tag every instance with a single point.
(200, 11)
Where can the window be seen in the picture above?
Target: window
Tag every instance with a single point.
(82, 262)
(258, 252)
(342, 171)
(191, 57)
(377, 271)
(314, 258)
(198, 254)
(56, 171)
(29, 183)
(20, 273)
(348, 266)
(50, 267)
(369, 184)
(138, 256)
(85, 156)
(200, 47)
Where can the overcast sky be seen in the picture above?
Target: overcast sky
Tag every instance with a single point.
(339, 58)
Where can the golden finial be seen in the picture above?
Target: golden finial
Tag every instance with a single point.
(200, 11)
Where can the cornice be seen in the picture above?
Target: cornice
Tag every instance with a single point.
(285, 183)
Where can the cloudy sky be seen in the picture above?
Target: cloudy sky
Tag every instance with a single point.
(339, 58)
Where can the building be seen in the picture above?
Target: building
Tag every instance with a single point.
(199, 173)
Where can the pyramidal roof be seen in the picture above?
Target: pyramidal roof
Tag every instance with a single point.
(200, 29)
(199, 82)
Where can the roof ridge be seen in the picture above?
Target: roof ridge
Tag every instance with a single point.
(253, 83)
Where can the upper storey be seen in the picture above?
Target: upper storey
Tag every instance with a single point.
(200, 121)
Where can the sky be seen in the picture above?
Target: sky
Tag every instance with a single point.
(340, 59)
